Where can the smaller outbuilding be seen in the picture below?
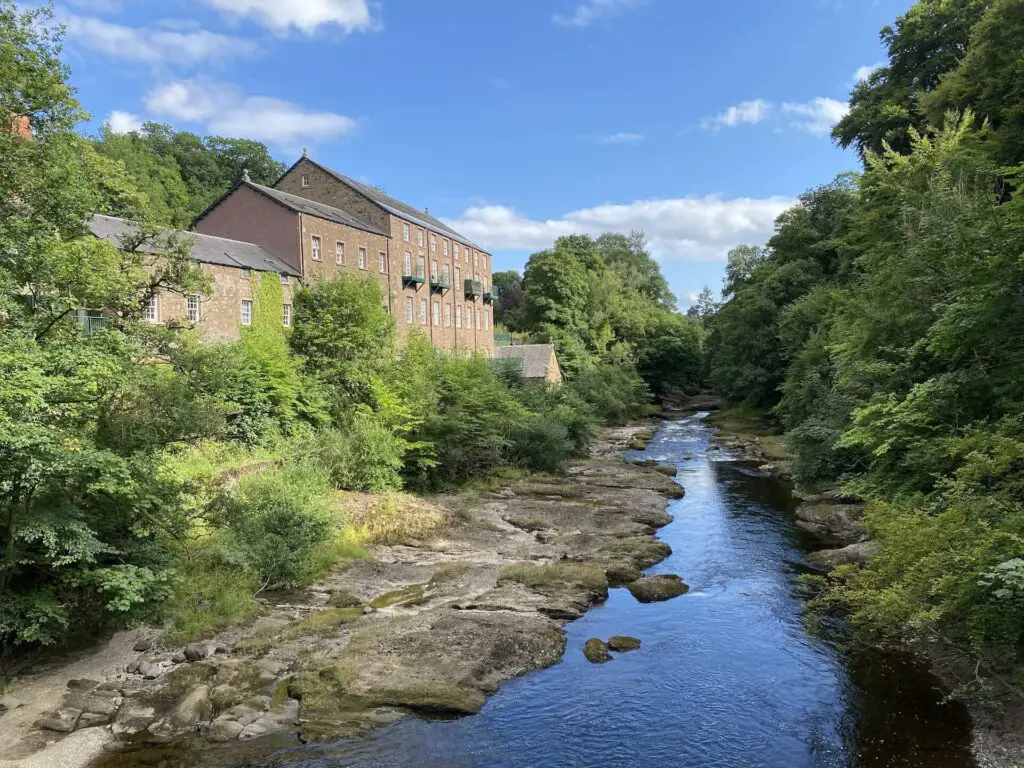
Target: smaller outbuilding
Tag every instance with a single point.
(535, 361)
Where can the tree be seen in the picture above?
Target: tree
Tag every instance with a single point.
(628, 257)
(705, 306)
(510, 299)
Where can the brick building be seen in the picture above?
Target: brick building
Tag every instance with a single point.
(233, 267)
(321, 222)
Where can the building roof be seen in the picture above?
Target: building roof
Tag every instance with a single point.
(206, 249)
(396, 207)
(310, 208)
(536, 358)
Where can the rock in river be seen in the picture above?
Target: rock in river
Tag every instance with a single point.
(623, 643)
(656, 589)
(596, 651)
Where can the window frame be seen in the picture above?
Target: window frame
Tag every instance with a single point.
(246, 312)
(316, 244)
(340, 256)
(410, 309)
(286, 312)
(435, 314)
(423, 311)
(382, 262)
(406, 232)
(447, 314)
(153, 306)
(361, 258)
(193, 297)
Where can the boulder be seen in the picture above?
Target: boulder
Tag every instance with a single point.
(179, 658)
(92, 720)
(623, 643)
(196, 652)
(61, 721)
(596, 651)
(224, 729)
(836, 524)
(620, 576)
(143, 645)
(853, 554)
(667, 469)
(148, 670)
(225, 696)
(656, 589)
(193, 708)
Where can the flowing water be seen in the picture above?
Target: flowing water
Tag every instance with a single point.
(727, 675)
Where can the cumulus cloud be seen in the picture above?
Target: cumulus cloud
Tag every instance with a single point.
(225, 111)
(816, 116)
(863, 73)
(124, 122)
(621, 138)
(687, 229)
(306, 16)
(586, 13)
(744, 113)
(154, 46)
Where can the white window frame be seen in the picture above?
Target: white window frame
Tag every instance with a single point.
(410, 309)
(457, 250)
(287, 315)
(245, 312)
(361, 258)
(433, 241)
(405, 231)
(469, 316)
(478, 321)
(458, 315)
(476, 259)
(305, 181)
(408, 262)
(423, 311)
(447, 314)
(339, 253)
(435, 314)
(192, 306)
(316, 248)
(433, 268)
(382, 262)
(445, 246)
(419, 237)
(153, 309)
(284, 279)
(458, 278)
(483, 258)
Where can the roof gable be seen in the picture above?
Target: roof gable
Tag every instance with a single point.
(537, 358)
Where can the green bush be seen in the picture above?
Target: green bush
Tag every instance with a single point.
(365, 456)
(274, 523)
(615, 392)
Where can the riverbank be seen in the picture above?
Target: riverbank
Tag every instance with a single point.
(429, 626)
(834, 521)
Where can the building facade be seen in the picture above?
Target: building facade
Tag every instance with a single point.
(321, 223)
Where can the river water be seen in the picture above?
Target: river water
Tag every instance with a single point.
(727, 675)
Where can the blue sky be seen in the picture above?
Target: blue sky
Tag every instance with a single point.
(515, 120)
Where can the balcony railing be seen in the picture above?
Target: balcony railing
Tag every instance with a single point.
(440, 283)
(93, 322)
(474, 288)
(414, 280)
(491, 295)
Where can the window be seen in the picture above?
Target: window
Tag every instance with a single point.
(246, 312)
(487, 320)
(478, 319)
(423, 311)
(475, 259)
(458, 279)
(447, 272)
(420, 266)
(339, 253)
(305, 181)
(445, 247)
(284, 279)
(419, 237)
(153, 309)
(382, 262)
(433, 268)
(484, 259)
(447, 315)
(287, 315)
(408, 265)
(245, 273)
(405, 232)
(362, 258)
(456, 253)
(316, 248)
(408, 309)
(435, 313)
(433, 241)
(192, 307)
(469, 316)
(458, 315)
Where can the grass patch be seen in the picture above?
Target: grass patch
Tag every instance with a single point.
(342, 598)
(414, 594)
(208, 599)
(393, 518)
(774, 447)
(529, 523)
(449, 572)
(321, 624)
(538, 576)
(549, 489)
(742, 421)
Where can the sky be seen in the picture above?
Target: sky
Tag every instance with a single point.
(516, 121)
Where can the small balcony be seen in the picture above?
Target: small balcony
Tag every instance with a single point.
(92, 320)
(474, 288)
(414, 280)
(440, 283)
(491, 295)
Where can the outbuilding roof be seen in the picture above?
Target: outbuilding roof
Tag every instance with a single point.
(536, 358)
(206, 249)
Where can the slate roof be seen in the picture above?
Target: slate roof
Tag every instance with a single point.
(311, 208)
(397, 207)
(206, 249)
(536, 358)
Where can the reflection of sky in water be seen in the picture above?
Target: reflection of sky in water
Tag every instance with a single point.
(727, 676)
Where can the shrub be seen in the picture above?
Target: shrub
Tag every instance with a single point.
(365, 456)
(615, 392)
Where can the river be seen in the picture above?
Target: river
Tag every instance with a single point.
(727, 675)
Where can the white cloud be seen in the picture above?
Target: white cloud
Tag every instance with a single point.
(816, 116)
(225, 111)
(589, 11)
(744, 113)
(154, 46)
(621, 138)
(688, 229)
(124, 122)
(863, 73)
(307, 16)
